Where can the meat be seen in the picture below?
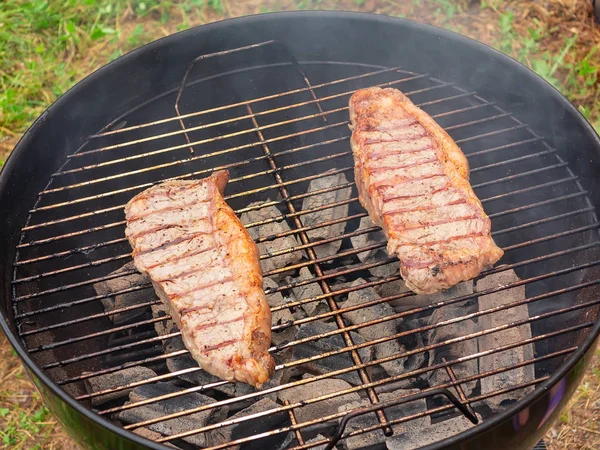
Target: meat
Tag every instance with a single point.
(205, 268)
(414, 182)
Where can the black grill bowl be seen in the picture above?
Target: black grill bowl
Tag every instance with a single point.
(141, 87)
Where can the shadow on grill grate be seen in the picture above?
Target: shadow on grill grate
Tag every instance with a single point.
(347, 334)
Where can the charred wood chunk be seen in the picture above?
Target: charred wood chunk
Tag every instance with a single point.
(328, 344)
(114, 380)
(308, 291)
(376, 331)
(318, 438)
(420, 437)
(172, 405)
(326, 213)
(507, 358)
(274, 245)
(316, 389)
(397, 412)
(374, 255)
(119, 294)
(258, 425)
(450, 331)
(165, 326)
(279, 317)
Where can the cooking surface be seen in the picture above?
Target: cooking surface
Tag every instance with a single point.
(288, 153)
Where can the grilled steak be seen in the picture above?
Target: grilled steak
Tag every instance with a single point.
(205, 268)
(414, 182)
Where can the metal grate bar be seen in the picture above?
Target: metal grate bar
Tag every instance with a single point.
(436, 410)
(386, 299)
(383, 244)
(325, 315)
(256, 115)
(260, 99)
(373, 397)
(342, 392)
(294, 422)
(380, 382)
(288, 286)
(285, 216)
(257, 207)
(120, 240)
(226, 136)
(119, 223)
(206, 171)
(347, 329)
(186, 160)
(28, 296)
(357, 347)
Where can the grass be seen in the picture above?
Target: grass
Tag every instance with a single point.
(25, 423)
(48, 45)
(578, 426)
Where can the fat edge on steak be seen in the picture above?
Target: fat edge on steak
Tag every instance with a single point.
(414, 182)
(205, 268)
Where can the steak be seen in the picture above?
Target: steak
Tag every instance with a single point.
(414, 182)
(205, 268)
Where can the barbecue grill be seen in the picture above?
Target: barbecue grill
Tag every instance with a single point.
(362, 362)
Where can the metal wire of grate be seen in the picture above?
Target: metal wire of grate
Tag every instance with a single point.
(279, 147)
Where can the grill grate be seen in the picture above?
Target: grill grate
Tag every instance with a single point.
(275, 145)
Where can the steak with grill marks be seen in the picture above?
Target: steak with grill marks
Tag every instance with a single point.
(414, 181)
(205, 268)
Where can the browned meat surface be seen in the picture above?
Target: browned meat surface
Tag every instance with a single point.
(205, 268)
(414, 182)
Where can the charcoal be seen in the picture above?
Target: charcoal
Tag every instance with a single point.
(418, 438)
(118, 301)
(165, 326)
(151, 435)
(393, 413)
(255, 426)
(374, 255)
(377, 331)
(461, 289)
(325, 215)
(417, 301)
(310, 290)
(281, 316)
(318, 438)
(281, 376)
(328, 344)
(393, 288)
(316, 389)
(501, 338)
(114, 380)
(394, 386)
(171, 406)
(274, 245)
(199, 377)
(451, 331)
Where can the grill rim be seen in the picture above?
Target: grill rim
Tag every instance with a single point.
(44, 383)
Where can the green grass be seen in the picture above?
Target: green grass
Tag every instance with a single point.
(25, 423)
(48, 45)
(447, 8)
(38, 39)
(576, 77)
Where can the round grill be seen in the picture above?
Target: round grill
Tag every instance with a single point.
(280, 126)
